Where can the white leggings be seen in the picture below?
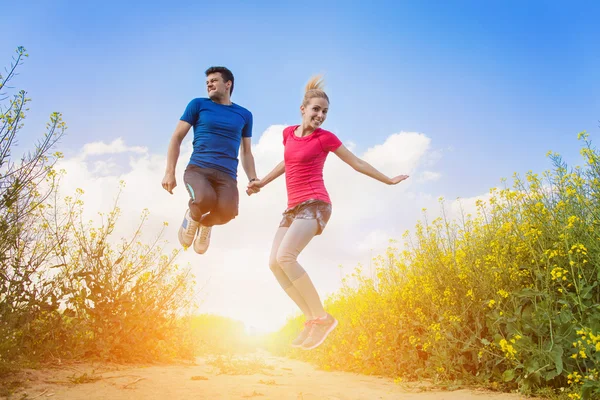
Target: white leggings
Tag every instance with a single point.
(287, 245)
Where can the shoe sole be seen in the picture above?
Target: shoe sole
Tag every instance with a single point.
(327, 332)
(200, 251)
(299, 344)
(296, 345)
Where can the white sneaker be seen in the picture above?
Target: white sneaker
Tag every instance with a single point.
(187, 230)
(203, 239)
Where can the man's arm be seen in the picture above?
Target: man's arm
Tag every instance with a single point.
(169, 182)
(247, 158)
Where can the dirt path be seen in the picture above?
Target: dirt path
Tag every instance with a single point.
(257, 376)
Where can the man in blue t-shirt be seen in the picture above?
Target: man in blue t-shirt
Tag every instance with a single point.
(220, 127)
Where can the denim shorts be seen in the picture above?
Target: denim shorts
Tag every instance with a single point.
(310, 209)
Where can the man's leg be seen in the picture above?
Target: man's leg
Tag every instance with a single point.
(225, 208)
(227, 200)
(202, 200)
(203, 196)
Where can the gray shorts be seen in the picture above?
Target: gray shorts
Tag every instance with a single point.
(310, 209)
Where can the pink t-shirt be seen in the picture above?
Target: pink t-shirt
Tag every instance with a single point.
(304, 160)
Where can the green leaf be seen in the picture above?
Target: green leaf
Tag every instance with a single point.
(508, 375)
(565, 316)
(549, 375)
(556, 355)
(528, 292)
(586, 391)
(531, 364)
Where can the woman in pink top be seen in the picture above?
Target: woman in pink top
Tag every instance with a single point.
(306, 147)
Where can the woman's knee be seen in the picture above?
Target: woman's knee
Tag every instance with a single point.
(280, 274)
(285, 258)
(274, 265)
(288, 261)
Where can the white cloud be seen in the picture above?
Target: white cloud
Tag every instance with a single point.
(234, 272)
(115, 147)
(400, 153)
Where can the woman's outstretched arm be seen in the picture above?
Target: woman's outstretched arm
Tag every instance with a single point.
(365, 168)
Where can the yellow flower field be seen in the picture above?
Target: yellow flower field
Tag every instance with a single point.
(507, 298)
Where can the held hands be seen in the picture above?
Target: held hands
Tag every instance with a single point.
(169, 182)
(253, 187)
(397, 179)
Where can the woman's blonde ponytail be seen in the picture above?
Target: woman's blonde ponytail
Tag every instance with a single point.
(314, 88)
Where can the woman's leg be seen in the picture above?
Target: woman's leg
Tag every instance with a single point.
(282, 278)
(298, 235)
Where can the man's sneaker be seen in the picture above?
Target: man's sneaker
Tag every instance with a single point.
(203, 239)
(303, 335)
(187, 230)
(321, 327)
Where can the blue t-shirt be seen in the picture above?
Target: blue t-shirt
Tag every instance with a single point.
(218, 131)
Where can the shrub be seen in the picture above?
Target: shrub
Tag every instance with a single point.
(507, 298)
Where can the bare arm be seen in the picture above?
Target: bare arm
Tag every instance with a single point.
(274, 174)
(247, 158)
(365, 168)
(169, 182)
(254, 187)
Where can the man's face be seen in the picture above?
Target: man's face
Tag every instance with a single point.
(216, 86)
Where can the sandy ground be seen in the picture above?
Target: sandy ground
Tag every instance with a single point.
(257, 376)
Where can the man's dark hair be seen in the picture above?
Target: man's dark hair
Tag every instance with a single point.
(225, 73)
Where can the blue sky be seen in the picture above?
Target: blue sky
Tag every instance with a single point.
(495, 85)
